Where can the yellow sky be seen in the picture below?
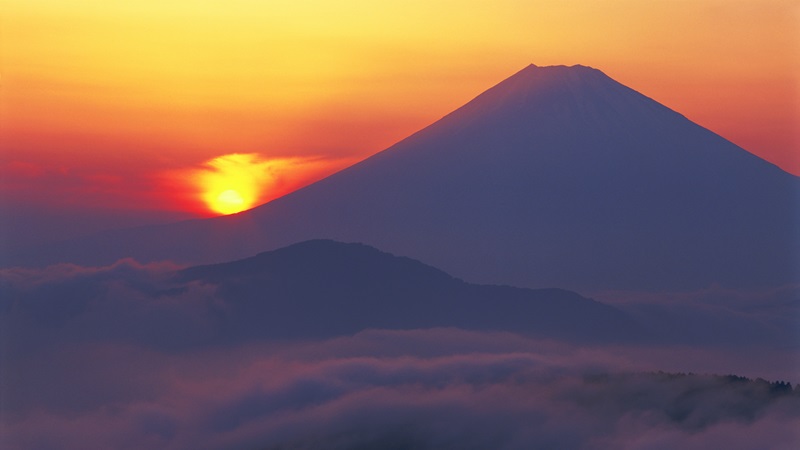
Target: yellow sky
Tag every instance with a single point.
(143, 86)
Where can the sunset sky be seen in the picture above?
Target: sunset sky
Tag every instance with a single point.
(150, 109)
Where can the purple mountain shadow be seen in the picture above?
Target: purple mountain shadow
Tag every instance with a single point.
(324, 288)
(310, 290)
(557, 176)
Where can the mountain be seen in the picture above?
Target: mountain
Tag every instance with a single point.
(557, 176)
(311, 290)
(324, 288)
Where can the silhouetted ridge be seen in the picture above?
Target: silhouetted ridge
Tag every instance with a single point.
(324, 288)
(325, 259)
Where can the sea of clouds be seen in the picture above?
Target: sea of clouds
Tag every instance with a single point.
(122, 357)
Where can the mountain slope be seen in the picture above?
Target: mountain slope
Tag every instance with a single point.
(324, 288)
(557, 176)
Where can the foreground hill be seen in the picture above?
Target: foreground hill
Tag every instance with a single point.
(325, 288)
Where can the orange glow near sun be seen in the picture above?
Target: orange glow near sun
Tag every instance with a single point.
(233, 183)
(236, 182)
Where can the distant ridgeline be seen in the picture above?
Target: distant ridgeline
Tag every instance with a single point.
(322, 289)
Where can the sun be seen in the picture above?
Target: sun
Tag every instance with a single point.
(232, 183)
(228, 202)
(236, 182)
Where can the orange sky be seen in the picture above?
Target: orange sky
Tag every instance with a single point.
(114, 102)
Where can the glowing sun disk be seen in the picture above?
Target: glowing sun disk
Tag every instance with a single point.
(233, 183)
(229, 202)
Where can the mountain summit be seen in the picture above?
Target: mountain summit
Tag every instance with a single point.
(557, 176)
(557, 93)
